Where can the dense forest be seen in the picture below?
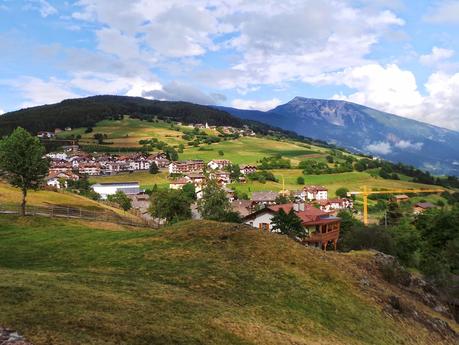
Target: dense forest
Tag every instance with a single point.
(86, 112)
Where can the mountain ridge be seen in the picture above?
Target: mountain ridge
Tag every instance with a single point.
(365, 130)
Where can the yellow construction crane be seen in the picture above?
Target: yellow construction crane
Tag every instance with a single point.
(366, 192)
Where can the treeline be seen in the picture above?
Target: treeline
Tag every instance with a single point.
(86, 112)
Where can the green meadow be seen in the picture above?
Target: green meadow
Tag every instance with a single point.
(68, 282)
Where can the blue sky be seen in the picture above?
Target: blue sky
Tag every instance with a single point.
(394, 55)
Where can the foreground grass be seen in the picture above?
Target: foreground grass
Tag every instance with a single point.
(193, 283)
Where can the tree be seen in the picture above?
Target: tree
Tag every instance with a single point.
(121, 199)
(235, 172)
(190, 191)
(407, 240)
(99, 137)
(393, 214)
(342, 192)
(22, 162)
(221, 153)
(300, 180)
(288, 224)
(153, 168)
(214, 204)
(170, 204)
(281, 199)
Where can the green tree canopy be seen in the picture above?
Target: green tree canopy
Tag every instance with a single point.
(153, 168)
(288, 224)
(170, 204)
(22, 162)
(214, 204)
(342, 192)
(121, 199)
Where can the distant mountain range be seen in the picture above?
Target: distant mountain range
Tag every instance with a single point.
(345, 124)
(365, 130)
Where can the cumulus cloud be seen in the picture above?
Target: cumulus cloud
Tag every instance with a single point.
(176, 91)
(262, 105)
(383, 87)
(437, 55)
(42, 6)
(37, 91)
(408, 145)
(394, 90)
(381, 148)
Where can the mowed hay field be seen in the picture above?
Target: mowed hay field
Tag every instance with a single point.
(127, 132)
(193, 283)
(249, 150)
(352, 180)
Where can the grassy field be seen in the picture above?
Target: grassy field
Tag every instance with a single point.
(351, 180)
(249, 150)
(10, 196)
(193, 283)
(127, 132)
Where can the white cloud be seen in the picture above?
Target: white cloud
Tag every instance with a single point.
(176, 91)
(387, 88)
(408, 145)
(437, 55)
(37, 92)
(394, 90)
(263, 105)
(42, 6)
(382, 148)
(444, 12)
(2, 112)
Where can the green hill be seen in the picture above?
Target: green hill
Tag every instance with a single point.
(67, 282)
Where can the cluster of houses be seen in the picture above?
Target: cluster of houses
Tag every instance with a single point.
(244, 131)
(71, 164)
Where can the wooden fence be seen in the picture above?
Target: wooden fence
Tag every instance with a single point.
(77, 213)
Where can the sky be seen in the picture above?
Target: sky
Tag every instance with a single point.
(397, 56)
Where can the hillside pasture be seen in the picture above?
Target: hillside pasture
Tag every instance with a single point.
(249, 150)
(66, 282)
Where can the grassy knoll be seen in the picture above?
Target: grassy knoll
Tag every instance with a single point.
(145, 179)
(193, 283)
(10, 196)
(248, 150)
(127, 132)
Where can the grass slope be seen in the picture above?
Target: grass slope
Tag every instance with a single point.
(11, 197)
(193, 283)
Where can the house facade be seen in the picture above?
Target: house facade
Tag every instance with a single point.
(181, 167)
(315, 193)
(106, 189)
(321, 229)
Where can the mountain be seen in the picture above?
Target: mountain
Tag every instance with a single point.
(365, 130)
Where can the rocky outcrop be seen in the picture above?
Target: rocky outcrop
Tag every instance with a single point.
(11, 337)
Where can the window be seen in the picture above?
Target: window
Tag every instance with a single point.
(263, 226)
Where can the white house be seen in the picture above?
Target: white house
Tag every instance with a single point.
(218, 164)
(59, 180)
(106, 189)
(315, 193)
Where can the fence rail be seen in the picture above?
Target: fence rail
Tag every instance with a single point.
(77, 213)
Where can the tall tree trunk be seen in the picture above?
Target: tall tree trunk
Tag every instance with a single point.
(23, 204)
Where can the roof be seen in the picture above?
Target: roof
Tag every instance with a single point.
(264, 196)
(315, 188)
(401, 196)
(310, 215)
(117, 184)
(424, 205)
(129, 190)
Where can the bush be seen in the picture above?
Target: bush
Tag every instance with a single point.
(300, 180)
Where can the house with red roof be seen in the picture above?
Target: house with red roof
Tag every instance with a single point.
(321, 228)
